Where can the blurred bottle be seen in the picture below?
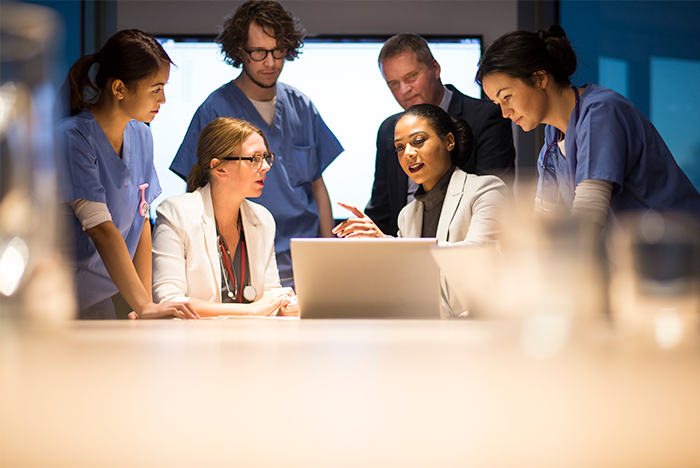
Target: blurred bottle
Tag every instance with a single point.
(654, 290)
(34, 280)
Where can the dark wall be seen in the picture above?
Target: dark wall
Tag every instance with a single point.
(69, 12)
(657, 44)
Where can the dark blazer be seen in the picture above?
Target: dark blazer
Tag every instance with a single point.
(493, 154)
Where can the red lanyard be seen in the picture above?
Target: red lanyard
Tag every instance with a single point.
(227, 260)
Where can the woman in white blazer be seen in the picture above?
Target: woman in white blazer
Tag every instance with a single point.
(212, 247)
(450, 205)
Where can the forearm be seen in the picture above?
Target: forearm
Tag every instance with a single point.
(115, 256)
(591, 201)
(214, 309)
(268, 304)
(325, 212)
(142, 258)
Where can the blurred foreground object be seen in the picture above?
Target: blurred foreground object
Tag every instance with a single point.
(654, 281)
(539, 265)
(544, 273)
(34, 282)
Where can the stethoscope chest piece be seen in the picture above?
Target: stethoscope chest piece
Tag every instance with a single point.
(249, 293)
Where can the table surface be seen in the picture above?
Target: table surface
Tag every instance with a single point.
(321, 393)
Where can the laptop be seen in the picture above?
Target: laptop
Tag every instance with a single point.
(366, 278)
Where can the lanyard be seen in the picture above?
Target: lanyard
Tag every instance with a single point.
(226, 255)
(576, 114)
(557, 137)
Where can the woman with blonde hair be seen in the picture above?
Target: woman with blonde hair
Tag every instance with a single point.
(213, 248)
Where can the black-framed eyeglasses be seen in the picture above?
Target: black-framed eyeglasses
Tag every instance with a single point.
(255, 160)
(258, 55)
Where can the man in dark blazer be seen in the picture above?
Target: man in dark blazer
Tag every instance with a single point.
(413, 76)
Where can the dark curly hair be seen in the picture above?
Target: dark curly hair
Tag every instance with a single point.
(270, 16)
(443, 124)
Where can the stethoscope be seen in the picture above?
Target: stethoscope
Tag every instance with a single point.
(559, 134)
(249, 292)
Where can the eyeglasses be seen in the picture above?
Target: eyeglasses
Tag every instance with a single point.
(256, 159)
(258, 55)
(550, 185)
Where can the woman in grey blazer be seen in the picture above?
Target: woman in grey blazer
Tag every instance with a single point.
(450, 205)
(212, 247)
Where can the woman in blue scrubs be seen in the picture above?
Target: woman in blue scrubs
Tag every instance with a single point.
(601, 154)
(109, 176)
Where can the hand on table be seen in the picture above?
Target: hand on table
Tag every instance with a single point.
(360, 226)
(181, 310)
(272, 300)
(290, 307)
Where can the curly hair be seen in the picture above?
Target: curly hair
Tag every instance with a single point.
(270, 16)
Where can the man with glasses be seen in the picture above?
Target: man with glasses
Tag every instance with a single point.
(413, 77)
(259, 37)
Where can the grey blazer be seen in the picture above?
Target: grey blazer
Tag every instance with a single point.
(469, 213)
(469, 216)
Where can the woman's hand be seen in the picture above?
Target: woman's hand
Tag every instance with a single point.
(272, 300)
(181, 310)
(290, 306)
(360, 226)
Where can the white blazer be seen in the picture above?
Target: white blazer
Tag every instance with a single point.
(470, 216)
(185, 255)
(470, 213)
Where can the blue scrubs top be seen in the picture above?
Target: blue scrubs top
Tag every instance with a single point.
(612, 140)
(95, 172)
(303, 145)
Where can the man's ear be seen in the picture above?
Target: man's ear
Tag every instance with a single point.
(436, 68)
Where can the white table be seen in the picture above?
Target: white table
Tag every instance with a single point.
(335, 393)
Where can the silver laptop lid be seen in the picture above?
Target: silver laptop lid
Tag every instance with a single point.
(366, 278)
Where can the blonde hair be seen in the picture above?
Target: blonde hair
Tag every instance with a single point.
(216, 141)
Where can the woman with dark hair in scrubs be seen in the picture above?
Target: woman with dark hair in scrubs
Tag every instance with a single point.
(601, 154)
(109, 174)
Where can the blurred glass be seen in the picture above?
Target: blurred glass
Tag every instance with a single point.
(545, 273)
(34, 281)
(655, 271)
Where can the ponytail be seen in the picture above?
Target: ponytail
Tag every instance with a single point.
(520, 54)
(197, 178)
(82, 90)
(443, 124)
(464, 141)
(130, 56)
